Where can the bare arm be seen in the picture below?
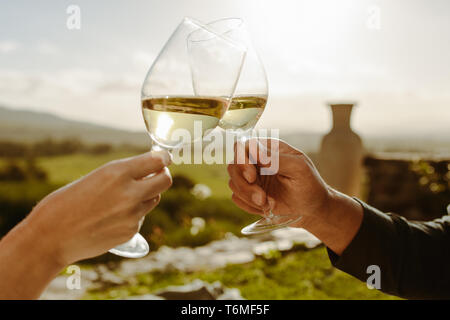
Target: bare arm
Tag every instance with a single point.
(81, 220)
(28, 263)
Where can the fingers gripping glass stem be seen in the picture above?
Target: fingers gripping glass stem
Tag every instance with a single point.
(270, 221)
(137, 246)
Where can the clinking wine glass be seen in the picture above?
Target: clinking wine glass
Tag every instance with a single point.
(246, 108)
(189, 86)
(250, 96)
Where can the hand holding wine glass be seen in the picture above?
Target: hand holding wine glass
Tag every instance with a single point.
(246, 108)
(296, 190)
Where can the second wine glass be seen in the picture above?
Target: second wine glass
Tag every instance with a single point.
(247, 106)
(250, 96)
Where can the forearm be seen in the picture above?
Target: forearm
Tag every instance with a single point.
(337, 223)
(27, 262)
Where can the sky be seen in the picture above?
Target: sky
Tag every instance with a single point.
(391, 57)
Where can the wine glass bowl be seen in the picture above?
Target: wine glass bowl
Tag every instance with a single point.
(191, 82)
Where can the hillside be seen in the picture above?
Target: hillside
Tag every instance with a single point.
(29, 126)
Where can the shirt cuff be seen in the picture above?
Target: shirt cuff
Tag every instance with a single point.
(376, 228)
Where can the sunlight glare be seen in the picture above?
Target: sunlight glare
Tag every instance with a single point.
(164, 124)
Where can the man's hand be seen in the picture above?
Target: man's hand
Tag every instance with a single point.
(295, 188)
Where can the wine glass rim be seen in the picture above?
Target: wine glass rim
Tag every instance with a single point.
(240, 20)
(211, 31)
(240, 24)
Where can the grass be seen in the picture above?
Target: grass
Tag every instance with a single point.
(215, 176)
(19, 192)
(293, 276)
(64, 169)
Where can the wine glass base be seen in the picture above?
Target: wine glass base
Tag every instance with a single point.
(136, 247)
(269, 224)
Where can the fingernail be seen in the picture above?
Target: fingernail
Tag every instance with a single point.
(257, 199)
(164, 155)
(247, 176)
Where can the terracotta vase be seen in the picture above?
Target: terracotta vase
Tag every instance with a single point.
(341, 153)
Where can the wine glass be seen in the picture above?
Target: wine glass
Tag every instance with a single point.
(250, 96)
(246, 108)
(185, 93)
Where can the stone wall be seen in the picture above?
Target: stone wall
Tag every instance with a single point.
(415, 189)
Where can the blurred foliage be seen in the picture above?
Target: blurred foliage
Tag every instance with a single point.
(433, 177)
(181, 181)
(17, 200)
(302, 274)
(27, 170)
(418, 190)
(13, 149)
(13, 172)
(179, 206)
(22, 185)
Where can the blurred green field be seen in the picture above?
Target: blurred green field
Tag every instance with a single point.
(64, 169)
(296, 275)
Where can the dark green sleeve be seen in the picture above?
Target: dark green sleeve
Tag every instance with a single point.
(413, 257)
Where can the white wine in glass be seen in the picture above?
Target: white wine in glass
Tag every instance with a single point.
(250, 96)
(163, 116)
(244, 112)
(191, 82)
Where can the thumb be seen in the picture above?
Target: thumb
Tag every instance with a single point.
(145, 164)
(284, 164)
(274, 156)
(272, 160)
